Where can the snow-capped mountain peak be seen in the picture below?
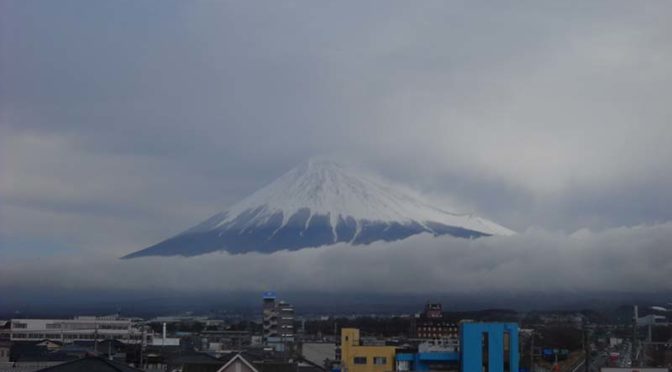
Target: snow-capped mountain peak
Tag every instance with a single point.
(329, 188)
(321, 202)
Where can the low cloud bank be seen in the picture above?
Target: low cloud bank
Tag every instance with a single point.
(628, 259)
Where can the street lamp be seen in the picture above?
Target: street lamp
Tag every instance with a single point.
(533, 334)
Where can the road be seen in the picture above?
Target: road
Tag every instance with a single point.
(602, 359)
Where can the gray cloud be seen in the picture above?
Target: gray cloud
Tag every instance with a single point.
(636, 259)
(123, 123)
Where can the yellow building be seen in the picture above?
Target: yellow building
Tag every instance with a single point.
(363, 358)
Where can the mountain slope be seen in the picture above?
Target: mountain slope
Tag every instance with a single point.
(320, 203)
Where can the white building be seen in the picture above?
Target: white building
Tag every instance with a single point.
(80, 328)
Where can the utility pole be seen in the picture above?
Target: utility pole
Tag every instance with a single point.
(586, 346)
(635, 312)
(636, 344)
(532, 351)
(652, 319)
(142, 346)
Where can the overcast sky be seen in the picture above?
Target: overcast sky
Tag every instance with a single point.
(125, 122)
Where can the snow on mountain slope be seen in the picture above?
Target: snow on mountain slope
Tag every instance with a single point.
(318, 203)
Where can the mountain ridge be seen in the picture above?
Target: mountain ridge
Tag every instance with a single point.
(320, 202)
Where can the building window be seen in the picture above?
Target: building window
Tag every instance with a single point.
(359, 360)
(19, 325)
(379, 360)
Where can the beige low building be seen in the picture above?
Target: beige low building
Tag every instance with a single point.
(356, 357)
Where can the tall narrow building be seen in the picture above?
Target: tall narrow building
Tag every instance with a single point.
(285, 321)
(270, 317)
(278, 321)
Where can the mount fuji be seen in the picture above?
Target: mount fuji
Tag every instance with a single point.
(320, 203)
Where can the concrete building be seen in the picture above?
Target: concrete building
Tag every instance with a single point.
(228, 340)
(431, 324)
(4, 329)
(4, 351)
(278, 321)
(357, 357)
(270, 316)
(285, 313)
(83, 328)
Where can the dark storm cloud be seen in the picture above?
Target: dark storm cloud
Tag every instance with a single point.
(124, 123)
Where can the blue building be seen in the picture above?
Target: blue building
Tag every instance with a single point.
(495, 338)
(494, 345)
(427, 361)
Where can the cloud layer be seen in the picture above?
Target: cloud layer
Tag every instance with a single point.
(636, 259)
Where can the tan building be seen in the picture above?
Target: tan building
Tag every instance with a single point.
(356, 357)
